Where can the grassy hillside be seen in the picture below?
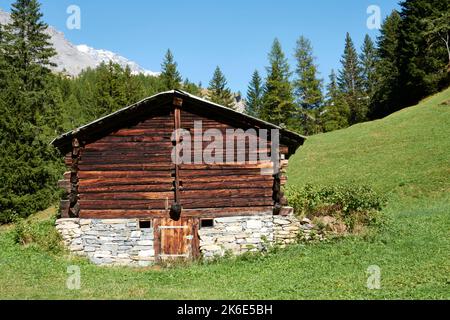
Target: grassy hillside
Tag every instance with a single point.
(406, 156)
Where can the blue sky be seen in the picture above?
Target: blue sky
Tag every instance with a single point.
(236, 35)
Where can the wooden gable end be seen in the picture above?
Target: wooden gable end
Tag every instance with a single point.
(124, 168)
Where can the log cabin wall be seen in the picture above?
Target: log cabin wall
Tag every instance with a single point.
(130, 173)
(223, 185)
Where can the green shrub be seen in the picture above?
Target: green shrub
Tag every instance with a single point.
(352, 204)
(42, 234)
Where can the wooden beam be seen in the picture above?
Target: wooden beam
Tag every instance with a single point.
(195, 213)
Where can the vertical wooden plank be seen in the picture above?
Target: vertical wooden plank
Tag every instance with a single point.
(195, 240)
(157, 237)
(177, 121)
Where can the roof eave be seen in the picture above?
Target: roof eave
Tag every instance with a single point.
(65, 139)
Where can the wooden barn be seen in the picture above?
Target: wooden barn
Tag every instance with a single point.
(136, 193)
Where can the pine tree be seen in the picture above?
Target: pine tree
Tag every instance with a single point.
(368, 62)
(387, 90)
(171, 78)
(278, 102)
(351, 83)
(254, 96)
(218, 91)
(307, 85)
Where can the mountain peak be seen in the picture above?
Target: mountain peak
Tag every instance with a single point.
(72, 59)
(101, 55)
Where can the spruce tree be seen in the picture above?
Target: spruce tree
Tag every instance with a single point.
(29, 166)
(28, 46)
(387, 91)
(278, 102)
(437, 30)
(423, 63)
(218, 91)
(171, 78)
(351, 83)
(307, 85)
(3, 63)
(254, 95)
(336, 112)
(368, 62)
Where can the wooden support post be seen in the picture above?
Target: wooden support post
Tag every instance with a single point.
(175, 212)
(195, 239)
(74, 207)
(279, 181)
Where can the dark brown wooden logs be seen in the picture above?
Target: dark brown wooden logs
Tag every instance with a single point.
(74, 208)
(200, 213)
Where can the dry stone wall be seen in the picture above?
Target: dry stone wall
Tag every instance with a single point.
(108, 242)
(121, 241)
(236, 235)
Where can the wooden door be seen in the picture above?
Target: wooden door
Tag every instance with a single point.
(177, 239)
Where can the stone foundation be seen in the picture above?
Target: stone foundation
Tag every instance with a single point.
(236, 235)
(122, 242)
(108, 242)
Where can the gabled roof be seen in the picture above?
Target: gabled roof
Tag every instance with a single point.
(64, 141)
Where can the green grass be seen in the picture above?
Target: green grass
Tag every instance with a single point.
(405, 156)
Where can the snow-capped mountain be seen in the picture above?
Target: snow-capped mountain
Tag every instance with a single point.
(72, 59)
(105, 56)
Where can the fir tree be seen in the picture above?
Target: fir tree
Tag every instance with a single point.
(254, 96)
(351, 84)
(218, 91)
(307, 85)
(171, 78)
(278, 102)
